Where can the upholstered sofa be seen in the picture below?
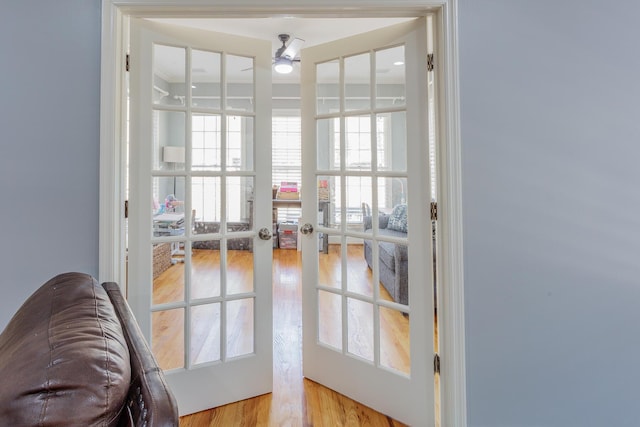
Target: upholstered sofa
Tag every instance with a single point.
(392, 257)
(73, 355)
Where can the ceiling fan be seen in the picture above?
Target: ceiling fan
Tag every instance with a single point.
(286, 55)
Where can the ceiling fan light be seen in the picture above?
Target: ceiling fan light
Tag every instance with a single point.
(283, 65)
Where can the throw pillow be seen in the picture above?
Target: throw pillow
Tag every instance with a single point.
(398, 218)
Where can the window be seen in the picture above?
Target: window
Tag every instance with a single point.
(286, 157)
(206, 194)
(286, 162)
(206, 155)
(235, 143)
(358, 156)
(358, 142)
(205, 140)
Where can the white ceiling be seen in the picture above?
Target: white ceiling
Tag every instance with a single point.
(313, 31)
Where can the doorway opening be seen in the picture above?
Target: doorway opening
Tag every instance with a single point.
(289, 384)
(357, 218)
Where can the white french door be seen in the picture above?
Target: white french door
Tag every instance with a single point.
(200, 191)
(368, 300)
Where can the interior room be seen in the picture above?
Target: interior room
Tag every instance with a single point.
(545, 100)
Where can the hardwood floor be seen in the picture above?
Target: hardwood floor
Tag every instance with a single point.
(295, 401)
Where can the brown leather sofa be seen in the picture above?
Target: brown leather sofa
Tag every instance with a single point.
(73, 355)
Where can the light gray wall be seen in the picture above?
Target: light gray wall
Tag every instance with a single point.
(49, 127)
(550, 109)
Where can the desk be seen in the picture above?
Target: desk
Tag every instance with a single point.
(286, 203)
(170, 224)
(323, 206)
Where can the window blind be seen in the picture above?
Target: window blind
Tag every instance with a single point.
(287, 157)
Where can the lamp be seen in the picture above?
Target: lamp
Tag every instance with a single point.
(171, 154)
(283, 65)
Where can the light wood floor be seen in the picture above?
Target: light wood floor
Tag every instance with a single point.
(295, 401)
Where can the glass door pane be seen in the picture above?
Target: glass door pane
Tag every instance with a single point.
(205, 79)
(200, 277)
(370, 320)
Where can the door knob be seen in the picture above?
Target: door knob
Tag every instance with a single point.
(264, 233)
(306, 229)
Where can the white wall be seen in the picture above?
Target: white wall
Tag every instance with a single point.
(550, 110)
(49, 127)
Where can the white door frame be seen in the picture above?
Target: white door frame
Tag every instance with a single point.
(450, 258)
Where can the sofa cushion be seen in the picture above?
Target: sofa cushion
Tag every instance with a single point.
(383, 221)
(63, 357)
(398, 218)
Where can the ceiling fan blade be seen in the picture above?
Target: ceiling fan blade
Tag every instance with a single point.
(292, 50)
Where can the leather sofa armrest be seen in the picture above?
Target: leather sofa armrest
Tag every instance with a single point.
(150, 401)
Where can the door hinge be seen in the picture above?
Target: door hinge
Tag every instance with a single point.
(436, 364)
(126, 63)
(434, 211)
(430, 62)
(126, 209)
